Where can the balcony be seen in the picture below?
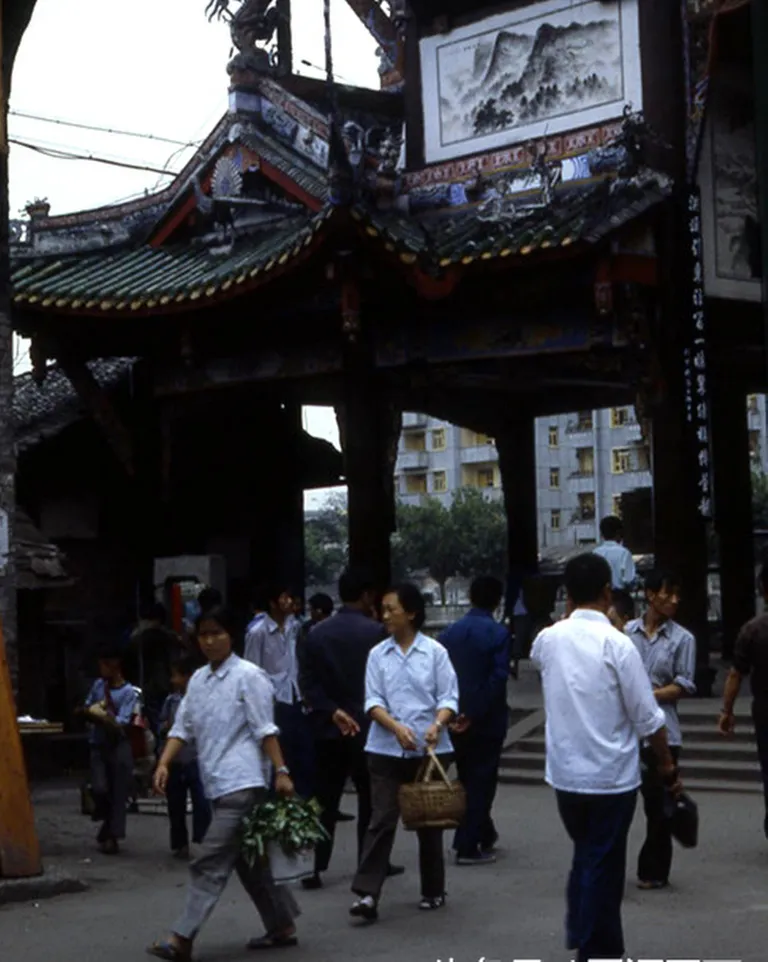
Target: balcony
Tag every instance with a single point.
(583, 516)
(412, 420)
(580, 427)
(480, 454)
(412, 460)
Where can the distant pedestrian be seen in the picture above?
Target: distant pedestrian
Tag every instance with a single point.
(622, 609)
(479, 647)
(227, 714)
(112, 705)
(750, 657)
(184, 780)
(668, 652)
(599, 703)
(411, 696)
(271, 643)
(320, 609)
(623, 573)
(333, 682)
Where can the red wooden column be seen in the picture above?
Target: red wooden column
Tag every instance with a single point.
(19, 846)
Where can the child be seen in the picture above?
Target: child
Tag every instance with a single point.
(184, 777)
(111, 707)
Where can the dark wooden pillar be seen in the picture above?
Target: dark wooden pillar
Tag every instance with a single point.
(759, 14)
(290, 517)
(733, 508)
(369, 430)
(516, 445)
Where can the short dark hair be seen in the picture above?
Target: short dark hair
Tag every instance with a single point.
(109, 651)
(611, 527)
(222, 615)
(412, 601)
(153, 611)
(586, 578)
(353, 584)
(624, 603)
(322, 602)
(210, 598)
(185, 666)
(659, 578)
(268, 592)
(486, 592)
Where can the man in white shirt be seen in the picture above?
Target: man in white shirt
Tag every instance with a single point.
(623, 573)
(599, 704)
(271, 644)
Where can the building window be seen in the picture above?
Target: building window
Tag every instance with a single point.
(485, 478)
(438, 439)
(415, 483)
(616, 505)
(587, 506)
(621, 460)
(415, 441)
(619, 417)
(585, 459)
(485, 439)
(754, 445)
(554, 520)
(584, 421)
(554, 478)
(752, 403)
(439, 482)
(554, 436)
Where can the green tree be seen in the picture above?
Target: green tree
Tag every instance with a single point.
(480, 529)
(326, 537)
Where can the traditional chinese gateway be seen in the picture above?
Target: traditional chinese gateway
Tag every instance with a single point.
(542, 210)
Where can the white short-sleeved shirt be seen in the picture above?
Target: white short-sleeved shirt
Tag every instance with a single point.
(599, 704)
(226, 714)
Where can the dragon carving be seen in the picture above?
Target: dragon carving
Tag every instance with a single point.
(252, 25)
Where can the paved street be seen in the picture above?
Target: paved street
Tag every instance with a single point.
(718, 908)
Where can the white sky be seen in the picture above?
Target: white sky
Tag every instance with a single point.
(148, 66)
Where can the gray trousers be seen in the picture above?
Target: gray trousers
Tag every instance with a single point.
(387, 775)
(219, 857)
(111, 784)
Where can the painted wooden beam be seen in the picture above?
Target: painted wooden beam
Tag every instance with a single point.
(376, 21)
(19, 845)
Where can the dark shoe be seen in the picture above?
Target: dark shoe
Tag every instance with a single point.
(394, 870)
(313, 882)
(345, 817)
(169, 951)
(110, 847)
(479, 858)
(651, 886)
(430, 904)
(182, 853)
(365, 908)
(272, 942)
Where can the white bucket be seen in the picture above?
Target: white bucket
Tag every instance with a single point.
(289, 868)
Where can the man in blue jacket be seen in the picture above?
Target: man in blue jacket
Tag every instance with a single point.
(479, 648)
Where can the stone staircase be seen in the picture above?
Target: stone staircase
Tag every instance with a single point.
(710, 762)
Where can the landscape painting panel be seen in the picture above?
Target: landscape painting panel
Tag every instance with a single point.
(729, 185)
(544, 68)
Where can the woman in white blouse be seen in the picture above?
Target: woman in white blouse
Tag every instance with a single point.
(411, 696)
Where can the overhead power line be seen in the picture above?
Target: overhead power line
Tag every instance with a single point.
(104, 130)
(66, 155)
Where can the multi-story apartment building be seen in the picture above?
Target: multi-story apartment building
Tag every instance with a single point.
(585, 462)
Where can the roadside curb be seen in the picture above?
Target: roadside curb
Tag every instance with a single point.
(51, 883)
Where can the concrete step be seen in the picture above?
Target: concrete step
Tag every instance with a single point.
(711, 749)
(529, 776)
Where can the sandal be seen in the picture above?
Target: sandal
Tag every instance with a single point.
(169, 951)
(429, 905)
(272, 942)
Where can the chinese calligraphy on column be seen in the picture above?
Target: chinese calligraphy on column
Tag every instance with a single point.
(695, 364)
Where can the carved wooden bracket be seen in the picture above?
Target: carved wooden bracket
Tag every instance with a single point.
(98, 403)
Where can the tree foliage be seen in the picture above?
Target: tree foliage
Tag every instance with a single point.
(759, 499)
(326, 537)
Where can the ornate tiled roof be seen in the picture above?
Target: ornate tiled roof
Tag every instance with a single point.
(187, 275)
(40, 411)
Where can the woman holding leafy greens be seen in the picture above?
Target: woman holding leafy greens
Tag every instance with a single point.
(227, 714)
(411, 696)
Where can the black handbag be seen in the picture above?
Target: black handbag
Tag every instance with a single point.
(683, 815)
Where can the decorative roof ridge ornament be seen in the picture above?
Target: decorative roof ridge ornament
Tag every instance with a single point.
(501, 205)
(253, 27)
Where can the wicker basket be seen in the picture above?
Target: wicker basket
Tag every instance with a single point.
(425, 803)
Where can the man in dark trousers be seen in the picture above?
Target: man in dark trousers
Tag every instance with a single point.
(479, 648)
(332, 681)
(750, 657)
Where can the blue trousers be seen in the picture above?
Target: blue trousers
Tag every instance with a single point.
(297, 741)
(598, 826)
(183, 781)
(477, 763)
